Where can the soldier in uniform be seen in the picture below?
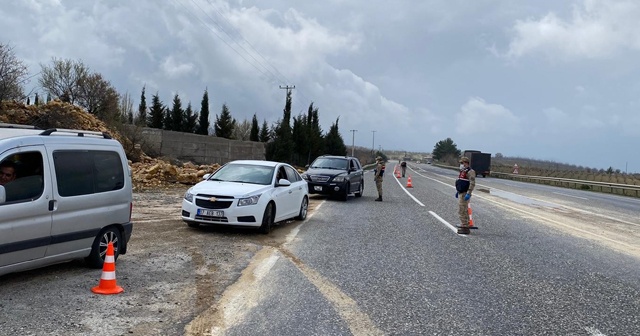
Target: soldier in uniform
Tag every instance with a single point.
(379, 172)
(464, 186)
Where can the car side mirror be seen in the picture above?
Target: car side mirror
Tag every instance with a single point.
(206, 176)
(306, 166)
(3, 195)
(283, 183)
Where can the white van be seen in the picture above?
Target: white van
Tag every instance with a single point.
(64, 194)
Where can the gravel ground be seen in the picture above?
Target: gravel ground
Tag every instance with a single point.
(170, 275)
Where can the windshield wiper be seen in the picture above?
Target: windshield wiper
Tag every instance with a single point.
(214, 179)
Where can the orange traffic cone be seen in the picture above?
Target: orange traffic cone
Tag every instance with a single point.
(470, 216)
(409, 184)
(107, 283)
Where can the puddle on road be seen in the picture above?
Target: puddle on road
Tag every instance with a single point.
(521, 199)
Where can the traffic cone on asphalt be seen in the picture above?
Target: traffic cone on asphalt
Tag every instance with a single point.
(409, 184)
(470, 216)
(107, 283)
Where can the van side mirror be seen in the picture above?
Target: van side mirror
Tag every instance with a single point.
(3, 195)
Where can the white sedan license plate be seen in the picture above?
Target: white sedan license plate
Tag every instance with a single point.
(212, 213)
(317, 188)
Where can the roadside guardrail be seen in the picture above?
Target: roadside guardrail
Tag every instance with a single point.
(604, 187)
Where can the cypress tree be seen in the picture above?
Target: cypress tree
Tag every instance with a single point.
(141, 118)
(255, 129)
(203, 120)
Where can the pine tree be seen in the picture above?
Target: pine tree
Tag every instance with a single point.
(156, 113)
(255, 129)
(445, 149)
(334, 144)
(190, 122)
(167, 121)
(36, 101)
(203, 120)
(141, 118)
(28, 100)
(265, 135)
(224, 124)
(177, 115)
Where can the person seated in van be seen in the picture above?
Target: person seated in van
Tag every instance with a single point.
(7, 172)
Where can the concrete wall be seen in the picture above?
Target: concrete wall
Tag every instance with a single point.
(199, 149)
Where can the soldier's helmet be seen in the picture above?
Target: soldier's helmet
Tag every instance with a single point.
(464, 159)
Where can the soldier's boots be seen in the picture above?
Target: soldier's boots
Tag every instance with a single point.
(464, 230)
(379, 199)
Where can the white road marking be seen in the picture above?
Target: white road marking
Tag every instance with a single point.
(539, 200)
(559, 193)
(406, 191)
(453, 228)
(594, 332)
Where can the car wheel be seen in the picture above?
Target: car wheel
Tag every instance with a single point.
(345, 194)
(267, 219)
(99, 247)
(304, 209)
(360, 189)
(193, 224)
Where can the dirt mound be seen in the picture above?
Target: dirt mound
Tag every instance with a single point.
(147, 173)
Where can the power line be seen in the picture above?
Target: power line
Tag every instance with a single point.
(227, 43)
(271, 76)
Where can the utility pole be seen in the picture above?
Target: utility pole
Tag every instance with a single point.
(353, 138)
(288, 88)
(373, 144)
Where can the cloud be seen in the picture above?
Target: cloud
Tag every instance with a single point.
(174, 68)
(597, 29)
(479, 117)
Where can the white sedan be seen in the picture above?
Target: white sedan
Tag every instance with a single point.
(250, 193)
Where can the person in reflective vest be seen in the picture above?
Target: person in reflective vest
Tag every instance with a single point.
(464, 187)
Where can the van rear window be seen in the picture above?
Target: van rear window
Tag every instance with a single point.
(87, 172)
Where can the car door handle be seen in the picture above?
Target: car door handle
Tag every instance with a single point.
(52, 204)
(290, 191)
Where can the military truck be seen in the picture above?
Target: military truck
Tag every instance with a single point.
(480, 162)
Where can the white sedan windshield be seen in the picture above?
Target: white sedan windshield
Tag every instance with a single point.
(244, 173)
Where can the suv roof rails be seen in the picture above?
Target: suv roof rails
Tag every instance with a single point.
(80, 133)
(6, 125)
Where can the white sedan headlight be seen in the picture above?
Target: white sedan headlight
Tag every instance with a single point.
(339, 178)
(249, 200)
(188, 196)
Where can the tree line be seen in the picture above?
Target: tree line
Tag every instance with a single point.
(293, 139)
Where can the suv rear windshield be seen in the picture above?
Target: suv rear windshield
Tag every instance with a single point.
(330, 163)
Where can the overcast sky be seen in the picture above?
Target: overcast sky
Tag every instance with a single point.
(544, 79)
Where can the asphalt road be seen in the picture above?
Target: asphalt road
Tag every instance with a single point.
(544, 261)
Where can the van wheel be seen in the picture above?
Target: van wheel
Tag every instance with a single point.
(267, 219)
(99, 247)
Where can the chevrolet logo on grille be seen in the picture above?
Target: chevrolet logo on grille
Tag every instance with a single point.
(213, 199)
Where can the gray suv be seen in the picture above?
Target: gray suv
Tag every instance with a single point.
(335, 175)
